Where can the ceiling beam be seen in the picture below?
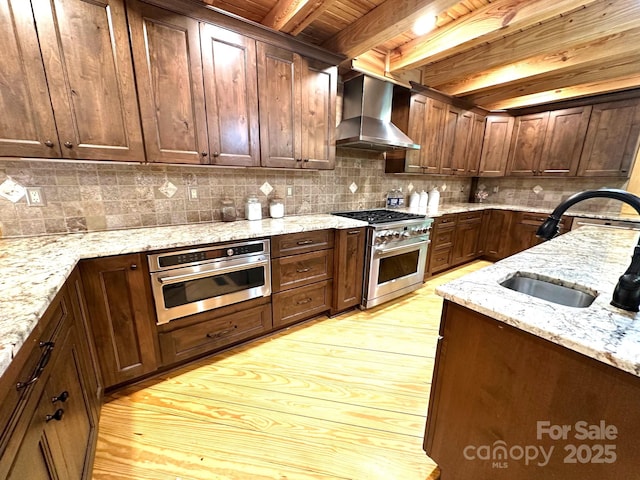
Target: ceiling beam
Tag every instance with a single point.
(282, 12)
(575, 91)
(306, 15)
(386, 21)
(581, 26)
(486, 24)
(586, 54)
(622, 67)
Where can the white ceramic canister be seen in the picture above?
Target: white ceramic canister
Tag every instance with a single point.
(424, 202)
(276, 208)
(253, 208)
(434, 199)
(414, 201)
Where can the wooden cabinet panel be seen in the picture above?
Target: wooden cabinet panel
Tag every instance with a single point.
(231, 91)
(303, 242)
(474, 149)
(525, 227)
(24, 94)
(495, 147)
(457, 132)
(301, 303)
(526, 144)
(442, 238)
(280, 106)
(90, 78)
(122, 319)
(298, 270)
(417, 131)
(498, 235)
(434, 136)
(205, 336)
(348, 272)
(166, 52)
(319, 91)
(563, 141)
(612, 139)
(440, 259)
(467, 238)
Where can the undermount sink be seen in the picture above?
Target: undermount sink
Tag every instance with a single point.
(551, 290)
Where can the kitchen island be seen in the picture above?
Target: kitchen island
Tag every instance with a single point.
(526, 389)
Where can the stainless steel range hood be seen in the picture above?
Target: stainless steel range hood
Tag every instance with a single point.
(366, 119)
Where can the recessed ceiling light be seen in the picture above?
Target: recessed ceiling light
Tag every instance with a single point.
(424, 24)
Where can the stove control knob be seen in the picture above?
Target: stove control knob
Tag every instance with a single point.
(396, 234)
(406, 234)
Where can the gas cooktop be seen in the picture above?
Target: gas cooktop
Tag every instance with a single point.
(378, 216)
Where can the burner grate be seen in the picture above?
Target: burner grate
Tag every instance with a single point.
(375, 217)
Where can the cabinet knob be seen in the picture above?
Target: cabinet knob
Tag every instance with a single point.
(56, 416)
(60, 398)
(134, 266)
(49, 143)
(306, 160)
(216, 154)
(68, 144)
(204, 154)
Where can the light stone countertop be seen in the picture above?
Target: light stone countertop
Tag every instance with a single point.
(593, 257)
(32, 270)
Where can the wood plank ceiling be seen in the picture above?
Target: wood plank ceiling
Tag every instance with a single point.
(496, 54)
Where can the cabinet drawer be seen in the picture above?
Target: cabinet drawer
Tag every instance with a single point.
(471, 217)
(538, 218)
(445, 222)
(442, 238)
(206, 336)
(301, 303)
(440, 259)
(303, 242)
(299, 270)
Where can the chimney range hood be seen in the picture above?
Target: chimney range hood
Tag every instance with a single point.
(366, 119)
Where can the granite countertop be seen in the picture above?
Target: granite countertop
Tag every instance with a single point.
(592, 257)
(32, 270)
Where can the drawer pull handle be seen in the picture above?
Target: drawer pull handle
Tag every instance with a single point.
(305, 242)
(219, 334)
(60, 398)
(56, 416)
(304, 301)
(302, 270)
(353, 232)
(44, 360)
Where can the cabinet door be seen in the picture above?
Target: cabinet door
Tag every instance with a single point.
(279, 73)
(319, 87)
(349, 268)
(563, 141)
(231, 91)
(417, 130)
(166, 53)
(612, 139)
(88, 65)
(526, 144)
(498, 235)
(122, 320)
(23, 91)
(465, 245)
(474, 148)
(495, 147)
(451, 153)
(434, 136)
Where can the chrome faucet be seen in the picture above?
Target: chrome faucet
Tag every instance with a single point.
(626, 295)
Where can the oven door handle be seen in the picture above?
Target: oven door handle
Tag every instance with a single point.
(411, 246)
(208, 272)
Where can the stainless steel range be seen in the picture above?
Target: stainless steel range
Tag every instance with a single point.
(396, 253)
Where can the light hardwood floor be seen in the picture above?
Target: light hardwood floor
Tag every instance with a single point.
(340, 398)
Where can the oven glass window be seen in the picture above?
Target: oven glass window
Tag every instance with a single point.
(197, 289)
(398, 266)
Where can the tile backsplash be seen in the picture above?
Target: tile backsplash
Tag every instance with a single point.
(89, 196)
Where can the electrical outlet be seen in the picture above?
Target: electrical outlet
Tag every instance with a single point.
(289, 191)
(193, 193)
(35, 197)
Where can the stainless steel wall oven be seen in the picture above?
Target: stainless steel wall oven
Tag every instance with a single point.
(192, 281)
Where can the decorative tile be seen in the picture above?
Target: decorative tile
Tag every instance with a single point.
(11, 190)
(168, 189)
(353, 188)
(266, 188)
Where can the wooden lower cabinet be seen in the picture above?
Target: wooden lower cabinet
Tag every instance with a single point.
(455, 239)
(298, 304)
(524, 228)
(489, 390)
(466, 246)
(196, 335)
(52, 431)
(442, 238)
(348, 268)
(120, 307)
(496, 234)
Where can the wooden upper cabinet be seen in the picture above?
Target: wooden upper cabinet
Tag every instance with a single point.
(434, 133)
(474, 149)
(231, 92)
(27, 126)
(611, 140)
(417, 131)
(456, 142)
(319, 91)
(563, 141)
(526, 144)
(166, 53)
(297, 110)
(495, 146)
(280, 106)
(86, 55)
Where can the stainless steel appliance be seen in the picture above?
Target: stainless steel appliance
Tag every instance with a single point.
(396, 253)
(187, 282)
